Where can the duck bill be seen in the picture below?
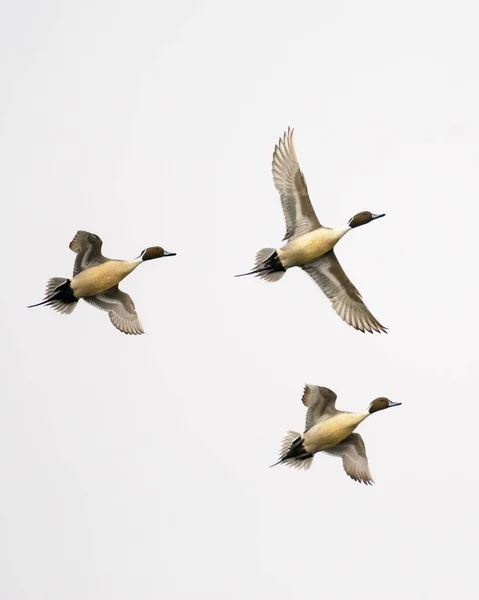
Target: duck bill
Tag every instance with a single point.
(391, 404)
(378, 216)
(169, 254)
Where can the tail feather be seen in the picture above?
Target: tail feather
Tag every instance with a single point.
(53, 284)
(293, 454)
(267, 266)
(59, 296)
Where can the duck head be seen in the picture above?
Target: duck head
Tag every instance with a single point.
(155, 252)
(381, 404)
(363, 217)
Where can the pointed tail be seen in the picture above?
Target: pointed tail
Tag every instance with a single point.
(267, 266)
(58, 295)
(293, 453)
(46, 301)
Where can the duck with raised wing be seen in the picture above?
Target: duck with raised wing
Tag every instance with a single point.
(330, 430)
(95, 279)
(310, 245)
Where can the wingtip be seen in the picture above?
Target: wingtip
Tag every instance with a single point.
(373, 329)
(288, 134)
(361, 480)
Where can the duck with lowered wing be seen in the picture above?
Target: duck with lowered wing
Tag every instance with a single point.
(330, 430)
(95, 279)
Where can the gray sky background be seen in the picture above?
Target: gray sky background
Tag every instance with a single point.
(137, 468)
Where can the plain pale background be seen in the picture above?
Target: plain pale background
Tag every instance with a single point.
(137, 468)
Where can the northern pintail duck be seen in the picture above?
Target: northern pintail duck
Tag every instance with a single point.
(310, 244)
(96, 279)
(330, 430)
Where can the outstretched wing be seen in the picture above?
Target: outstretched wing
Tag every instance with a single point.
(320, 402)
(291, 185)
(87, 247)
(120, 308)
(345, 298)
(355, 461)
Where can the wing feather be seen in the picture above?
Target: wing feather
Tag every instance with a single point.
(320, 402)
(355, 461)
(120, 308)
(291, 185)
(345, 298)
(87, 247)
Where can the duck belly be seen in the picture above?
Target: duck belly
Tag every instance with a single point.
(100, 278)
(330, 432)
(308, 247)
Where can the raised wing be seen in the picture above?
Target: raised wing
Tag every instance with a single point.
(87, 247)
(291, 185)
(355, 461)
(120, 308)
(345, 298)
(320, 402)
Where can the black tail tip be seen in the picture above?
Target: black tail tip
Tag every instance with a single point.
(255, 272)
(46, 301)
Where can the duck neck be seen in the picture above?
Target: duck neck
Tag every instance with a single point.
(363, 415)
(132, 264)
(342, 231)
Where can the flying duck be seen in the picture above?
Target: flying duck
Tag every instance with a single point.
(95, 279)
(310, 245)
(330, 430)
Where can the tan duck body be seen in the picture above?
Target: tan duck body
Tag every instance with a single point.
(330, 430)
(95, 279)
(310, 246)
